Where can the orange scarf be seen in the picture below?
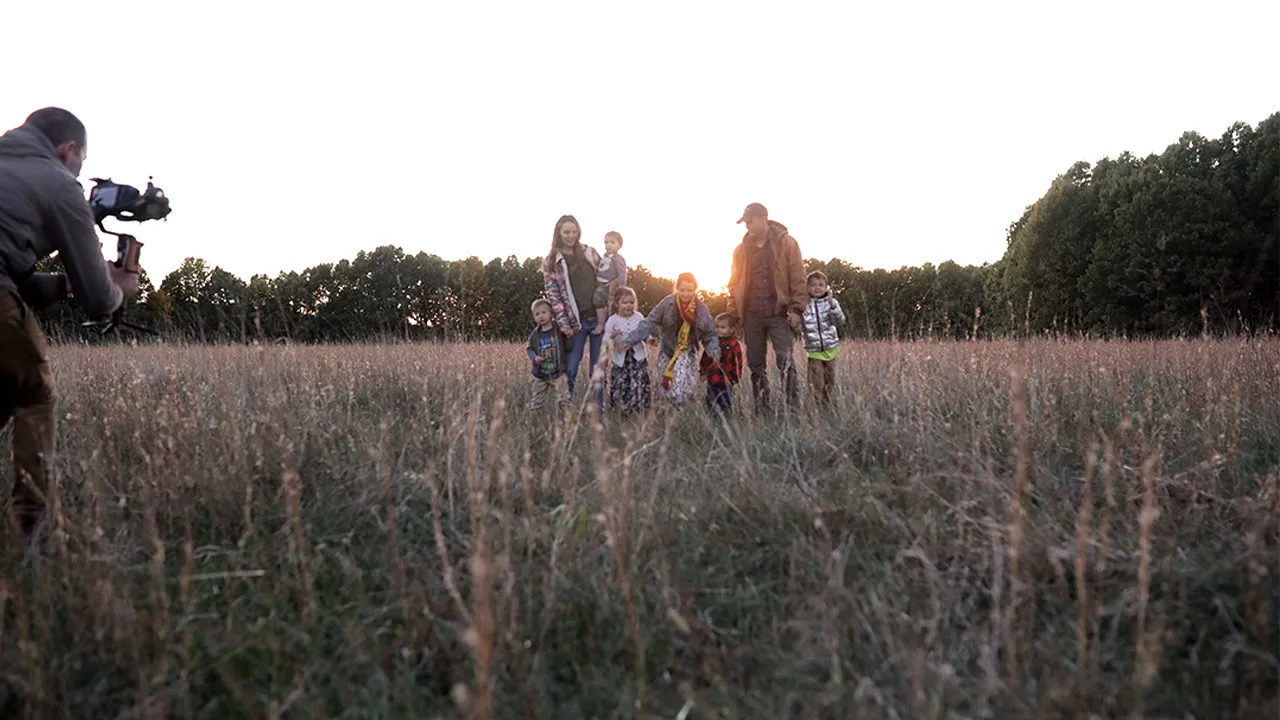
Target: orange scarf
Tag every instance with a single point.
(689, 317)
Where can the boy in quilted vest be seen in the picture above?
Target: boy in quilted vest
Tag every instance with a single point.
(822, 315)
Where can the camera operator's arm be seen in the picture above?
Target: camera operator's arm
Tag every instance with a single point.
(70, 227)
(44, 289)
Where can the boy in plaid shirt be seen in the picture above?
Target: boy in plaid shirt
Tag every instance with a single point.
(722, 376)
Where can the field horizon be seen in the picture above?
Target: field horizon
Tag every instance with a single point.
(974, 529)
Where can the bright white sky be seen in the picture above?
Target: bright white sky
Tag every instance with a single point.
(887, 134)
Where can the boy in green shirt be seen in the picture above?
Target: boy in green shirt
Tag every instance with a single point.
(548, 348)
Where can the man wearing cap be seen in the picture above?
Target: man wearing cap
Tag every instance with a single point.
(768, 292)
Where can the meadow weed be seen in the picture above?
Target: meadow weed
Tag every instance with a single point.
(984, 529)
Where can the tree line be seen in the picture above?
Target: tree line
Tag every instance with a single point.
(1172, 244)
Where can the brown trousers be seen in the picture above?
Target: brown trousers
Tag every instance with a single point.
(759, 332)
(822, 379)
(26, 395)
(549, 392)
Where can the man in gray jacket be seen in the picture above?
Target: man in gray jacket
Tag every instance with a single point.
(43, 210)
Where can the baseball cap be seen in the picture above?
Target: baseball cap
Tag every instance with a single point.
(753, 210)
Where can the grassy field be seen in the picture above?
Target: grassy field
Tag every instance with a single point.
(1049, 529)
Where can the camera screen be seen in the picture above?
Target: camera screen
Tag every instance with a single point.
(103, 197)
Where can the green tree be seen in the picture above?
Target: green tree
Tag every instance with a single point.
(1050, 250)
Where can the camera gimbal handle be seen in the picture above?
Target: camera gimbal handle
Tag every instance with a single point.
(127, 249)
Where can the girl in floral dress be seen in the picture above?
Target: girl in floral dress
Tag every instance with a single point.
(684, 323)
(629, 371)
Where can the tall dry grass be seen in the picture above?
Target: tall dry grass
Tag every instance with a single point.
(974, 530)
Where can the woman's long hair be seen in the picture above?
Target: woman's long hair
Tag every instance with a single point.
(555, 237)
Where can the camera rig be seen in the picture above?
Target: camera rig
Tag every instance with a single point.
(127, 204)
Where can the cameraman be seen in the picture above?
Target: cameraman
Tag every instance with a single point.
(43, 210)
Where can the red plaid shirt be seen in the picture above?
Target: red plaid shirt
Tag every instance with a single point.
(729, 369)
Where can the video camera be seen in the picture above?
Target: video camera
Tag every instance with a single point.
(111, 199)
(128, 204)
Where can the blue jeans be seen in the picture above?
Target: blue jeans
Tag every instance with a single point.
(574, 359)
(719, 399)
